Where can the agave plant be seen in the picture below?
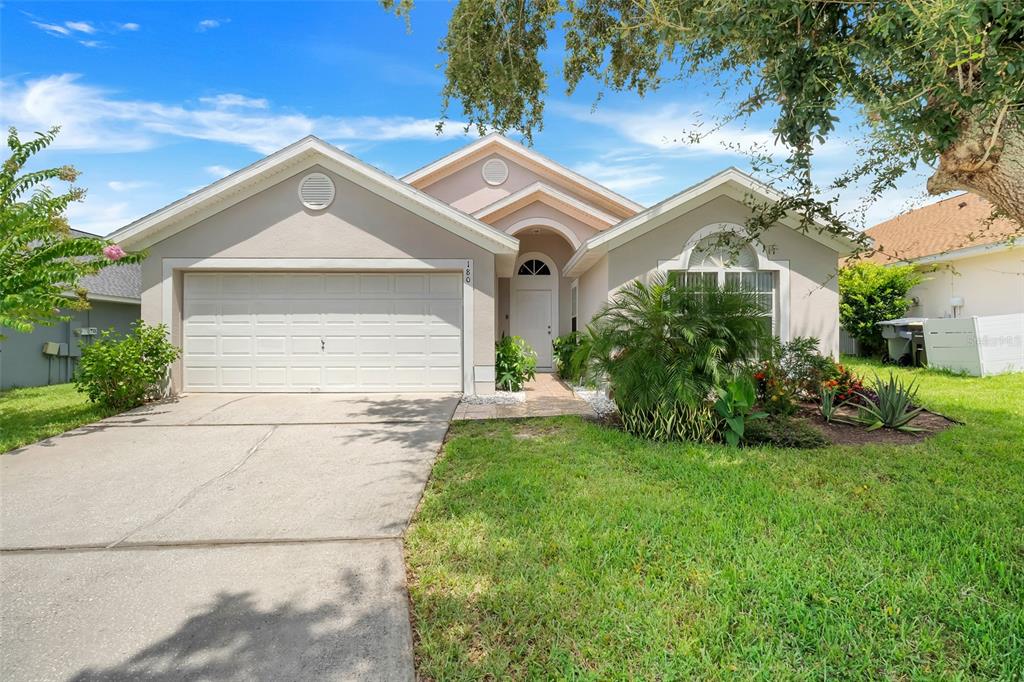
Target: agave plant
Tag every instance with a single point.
(664, 347)
(893, 406)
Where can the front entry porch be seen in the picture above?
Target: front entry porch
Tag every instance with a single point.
(546, 396)
(534, 303)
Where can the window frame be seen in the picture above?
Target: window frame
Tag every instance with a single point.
(782, 313)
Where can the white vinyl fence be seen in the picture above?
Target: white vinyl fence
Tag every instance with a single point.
(979, 346)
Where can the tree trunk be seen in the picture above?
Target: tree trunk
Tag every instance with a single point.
(991, 166)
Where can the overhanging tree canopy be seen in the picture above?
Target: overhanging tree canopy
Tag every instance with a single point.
(41, 261)
(934, 81)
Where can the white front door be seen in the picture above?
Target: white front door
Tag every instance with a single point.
(534, 304)
(533, 318)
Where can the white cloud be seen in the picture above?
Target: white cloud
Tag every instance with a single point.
(129, 26)
(621, 177)
(52, 29)
(207, 24)
(101, 217)
(218, 171)
(230, 100)
(93, 118)
(127, 185)
(81, 26)
(90, 43)
(671, 129)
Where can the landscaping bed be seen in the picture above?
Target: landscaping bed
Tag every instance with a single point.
(839, 433)
(561, 548)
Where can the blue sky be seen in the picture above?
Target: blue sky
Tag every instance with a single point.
(157, 99)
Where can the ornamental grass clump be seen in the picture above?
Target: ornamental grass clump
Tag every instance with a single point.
(664, 348)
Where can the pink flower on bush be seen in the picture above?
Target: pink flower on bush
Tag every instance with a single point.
(114, 252)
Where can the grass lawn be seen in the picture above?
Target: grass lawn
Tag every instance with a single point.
(31, 414)
(561, 549)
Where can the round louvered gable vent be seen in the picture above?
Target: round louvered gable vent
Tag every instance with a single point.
(316, 191)
(495, 172)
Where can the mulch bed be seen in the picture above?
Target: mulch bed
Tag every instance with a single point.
(851, 434)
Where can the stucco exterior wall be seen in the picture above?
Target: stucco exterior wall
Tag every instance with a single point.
(358, 224)
(814, 291)
(22, 362)
(466, 190)
(537, 210)
(989, 284)
(592, 292)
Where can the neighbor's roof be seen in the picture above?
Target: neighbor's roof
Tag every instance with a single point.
(114, 282)
(949, 225)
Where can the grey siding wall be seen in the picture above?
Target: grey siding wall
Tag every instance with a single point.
(22, 362)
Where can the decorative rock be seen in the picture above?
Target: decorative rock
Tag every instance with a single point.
(497, 398)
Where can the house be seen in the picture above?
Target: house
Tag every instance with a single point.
(114, 303)
(311, 270)
(971, 265)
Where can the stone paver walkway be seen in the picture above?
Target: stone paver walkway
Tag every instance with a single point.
(546, 396)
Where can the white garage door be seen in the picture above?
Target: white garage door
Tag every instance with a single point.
(339, 332)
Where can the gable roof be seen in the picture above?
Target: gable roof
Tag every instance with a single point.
(308, 152)
(550, 196)
(607, 199)
(946, 226)
(730, 182)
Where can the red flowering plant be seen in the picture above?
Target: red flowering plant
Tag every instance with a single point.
(791, 372)
(848, 387)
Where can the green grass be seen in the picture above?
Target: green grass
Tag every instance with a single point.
(561, 549)
(31, 414)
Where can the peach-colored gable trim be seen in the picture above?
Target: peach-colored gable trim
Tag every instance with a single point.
(600, 196)
(545, 194)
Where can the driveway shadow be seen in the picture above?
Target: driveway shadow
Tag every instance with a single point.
(235, 639)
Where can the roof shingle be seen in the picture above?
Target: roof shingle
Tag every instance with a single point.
(122, 281)
(955, 223)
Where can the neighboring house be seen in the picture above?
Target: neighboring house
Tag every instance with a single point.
(313, 271)
(971, 265)
(114, 299)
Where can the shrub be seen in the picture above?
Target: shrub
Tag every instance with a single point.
(663, 348)
(790, 372)
(565, 348)
(736, 407)
(122, 371)
(515, 363)
(870, 293)
(847, 386)
(784, 432)
(893, 405)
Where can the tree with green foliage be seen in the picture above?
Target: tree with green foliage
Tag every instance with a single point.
(41, 261)
(870, 293)
(939, 82)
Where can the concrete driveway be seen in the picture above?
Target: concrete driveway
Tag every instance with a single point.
(217, 537)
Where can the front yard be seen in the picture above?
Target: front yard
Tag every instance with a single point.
(557, 548)
(31, 414)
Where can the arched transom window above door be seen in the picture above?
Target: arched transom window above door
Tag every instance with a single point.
(533, 267)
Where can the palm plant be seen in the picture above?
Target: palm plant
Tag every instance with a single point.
(664, 348)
